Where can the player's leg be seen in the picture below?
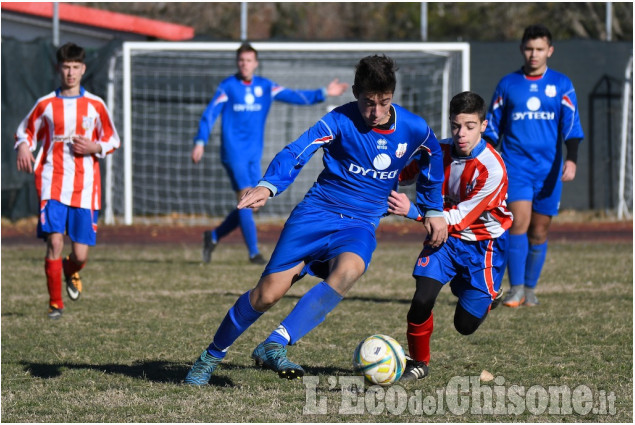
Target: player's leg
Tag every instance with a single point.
(51, 227)
(420, 327)
(53, 272)
(245, 311)
(433, 268)
(482, 266)
(341, 256)
(82, 230)
(545, 206)
(518, 250)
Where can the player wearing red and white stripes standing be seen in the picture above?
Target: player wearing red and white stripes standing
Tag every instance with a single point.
(75, 129)
(473, 258)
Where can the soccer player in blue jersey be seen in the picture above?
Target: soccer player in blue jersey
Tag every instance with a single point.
(473, 258)
(331, 232)
(533, 112)
(244, 100)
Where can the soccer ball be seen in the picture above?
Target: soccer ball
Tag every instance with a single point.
(380, 359)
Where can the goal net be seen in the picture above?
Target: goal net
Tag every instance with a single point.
(161, 90)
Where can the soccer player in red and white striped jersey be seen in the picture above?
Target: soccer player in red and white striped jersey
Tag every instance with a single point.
(473, 258)
(75, 129)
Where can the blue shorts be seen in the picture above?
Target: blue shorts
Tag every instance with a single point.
(79, 223)
(544, 192)
(316, 236)
(475, 270)
(243, 174)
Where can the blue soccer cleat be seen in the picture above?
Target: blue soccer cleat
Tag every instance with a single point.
(274, 356)
(202, 370)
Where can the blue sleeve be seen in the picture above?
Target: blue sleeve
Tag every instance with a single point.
(495, 116)
(287, 164)
(570, 122)
(298, 97)
(211, 113)
(430, 179)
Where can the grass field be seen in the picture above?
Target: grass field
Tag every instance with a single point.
(120, 353)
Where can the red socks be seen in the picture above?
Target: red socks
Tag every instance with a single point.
(53, 271)
(419, 340)
(71, 267)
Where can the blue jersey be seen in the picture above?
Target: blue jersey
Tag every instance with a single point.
(533, 116)
(361, 164)
(245, 106)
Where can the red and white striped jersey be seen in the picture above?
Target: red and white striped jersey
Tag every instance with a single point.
(73, 180)
(474, 193)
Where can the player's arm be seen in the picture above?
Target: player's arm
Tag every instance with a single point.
(26, 141)
(307, 97)
(206, 123)
(107, 138)
(571, 131)
(429, 191)
(495, 115)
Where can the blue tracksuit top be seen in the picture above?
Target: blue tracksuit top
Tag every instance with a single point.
(361, 164)
(244, 106)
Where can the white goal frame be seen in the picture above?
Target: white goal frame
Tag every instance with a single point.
(130, 47)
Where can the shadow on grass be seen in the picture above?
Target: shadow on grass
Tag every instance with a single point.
(154, 371)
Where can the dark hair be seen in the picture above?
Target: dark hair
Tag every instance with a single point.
(70, 52)
(375, 74)
(468, 103)
(246, 47)
(536, 31)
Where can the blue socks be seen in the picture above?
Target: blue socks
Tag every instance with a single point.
(517, 259)
(307, 314)
(227, 226)
(238, 319)
(245, 219)
(525, 261)
(535, 261)
(248, 227)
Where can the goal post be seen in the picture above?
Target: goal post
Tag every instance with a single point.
(162, 89)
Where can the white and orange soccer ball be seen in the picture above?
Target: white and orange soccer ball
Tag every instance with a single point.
(380, 359)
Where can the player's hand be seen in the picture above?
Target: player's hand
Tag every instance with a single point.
(398, 203)
(82, 145)
(335, 88)
(568, 171)
(437, 230)
(25, 158)
(197, 153)
(255, 197)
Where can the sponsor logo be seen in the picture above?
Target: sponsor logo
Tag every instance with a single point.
(533, 103)
(381, 162)
(533, 87)
(247, 108)
(381, 144)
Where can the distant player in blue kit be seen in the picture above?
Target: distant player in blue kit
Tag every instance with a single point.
(331, 232)
(244, 100)
(473, 258)
(533, 112)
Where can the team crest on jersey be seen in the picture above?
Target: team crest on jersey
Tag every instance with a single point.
(382, 144)
(87, 123)
(401, 149)
(550, 90)
(258, 91)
